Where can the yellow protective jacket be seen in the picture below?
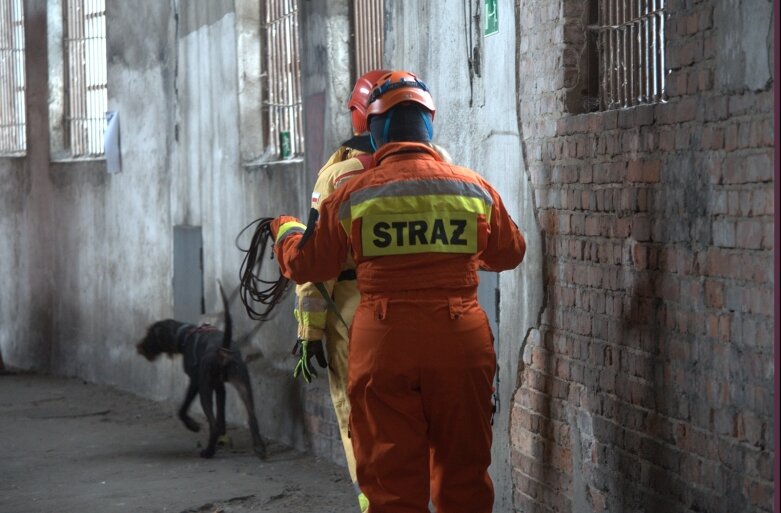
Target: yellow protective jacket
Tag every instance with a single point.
(311, 309)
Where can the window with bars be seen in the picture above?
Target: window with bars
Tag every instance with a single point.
(282, 71)
(87, 91)
(368, 38)
(13, 138)
(626, 53)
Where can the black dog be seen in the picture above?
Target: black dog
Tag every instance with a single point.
(210, 362)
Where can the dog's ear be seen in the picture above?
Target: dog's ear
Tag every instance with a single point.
(149, 346)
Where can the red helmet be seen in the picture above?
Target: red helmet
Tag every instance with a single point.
(360, 98)
(397, 87)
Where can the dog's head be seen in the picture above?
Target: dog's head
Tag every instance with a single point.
(160, 338)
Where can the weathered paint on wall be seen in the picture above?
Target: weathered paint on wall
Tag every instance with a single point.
(26, 222)
(326, 79)
(91, 259)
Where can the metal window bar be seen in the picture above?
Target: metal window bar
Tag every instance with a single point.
(629, 39)
(13, 134)
(368, 35)
(282, 60)
(85, 48)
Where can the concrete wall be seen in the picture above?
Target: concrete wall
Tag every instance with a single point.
(26, 221)
(91, 258)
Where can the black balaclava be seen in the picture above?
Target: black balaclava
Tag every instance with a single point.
(405, 123)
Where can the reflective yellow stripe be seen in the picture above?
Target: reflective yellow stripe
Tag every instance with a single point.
(427, 203)
(289, 228)
(311, 319)
(421, 188)
(422, 232)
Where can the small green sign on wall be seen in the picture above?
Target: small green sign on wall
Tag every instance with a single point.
(491, 17)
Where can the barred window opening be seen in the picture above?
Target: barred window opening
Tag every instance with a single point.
(85, 50)
(626, 53)
(282, 102)
(367, 35)
(13, 137)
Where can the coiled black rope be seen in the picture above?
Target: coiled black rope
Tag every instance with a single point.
(255, 290)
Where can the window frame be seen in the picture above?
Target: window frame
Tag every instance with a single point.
(367, 36)
(13, 93)
(61, 146)
(281, 57)
(625, 57)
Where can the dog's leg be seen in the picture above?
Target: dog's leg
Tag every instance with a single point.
(220, 389)
(239, 378)
(192, 390)
(206, 392)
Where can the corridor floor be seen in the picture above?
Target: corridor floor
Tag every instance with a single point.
(67, 446)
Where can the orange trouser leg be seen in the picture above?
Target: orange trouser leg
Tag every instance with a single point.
(420, 384)
(459, 385)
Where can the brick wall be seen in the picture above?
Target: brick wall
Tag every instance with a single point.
(650, 385)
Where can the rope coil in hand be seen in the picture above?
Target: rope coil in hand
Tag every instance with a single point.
(255, 290)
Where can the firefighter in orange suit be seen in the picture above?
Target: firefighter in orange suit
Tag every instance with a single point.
(315, 322)
(421, 357)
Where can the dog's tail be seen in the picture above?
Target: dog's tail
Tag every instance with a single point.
(226, 341)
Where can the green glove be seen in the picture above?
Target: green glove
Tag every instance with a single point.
(305, 350)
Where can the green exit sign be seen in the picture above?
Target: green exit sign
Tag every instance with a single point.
(491, 17)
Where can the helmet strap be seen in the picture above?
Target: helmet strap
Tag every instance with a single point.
(386, 130)
(428, 124)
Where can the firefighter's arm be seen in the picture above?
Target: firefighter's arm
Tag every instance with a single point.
(311, 310)
(320, 258)
(506, 246)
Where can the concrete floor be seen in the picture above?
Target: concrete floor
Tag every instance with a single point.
(68, 446)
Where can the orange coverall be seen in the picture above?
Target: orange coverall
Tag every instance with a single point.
(421, 357)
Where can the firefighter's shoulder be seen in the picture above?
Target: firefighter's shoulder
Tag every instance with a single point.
(340, 172)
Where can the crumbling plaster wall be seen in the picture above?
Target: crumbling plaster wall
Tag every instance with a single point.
(208, 182)
(26, 221)
(86, 251)
(91, 254)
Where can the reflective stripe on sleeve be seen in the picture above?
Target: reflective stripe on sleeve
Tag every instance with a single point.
(311, 319)
(289, 228)
(312, 304)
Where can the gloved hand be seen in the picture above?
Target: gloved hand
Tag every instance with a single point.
(305, 350)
